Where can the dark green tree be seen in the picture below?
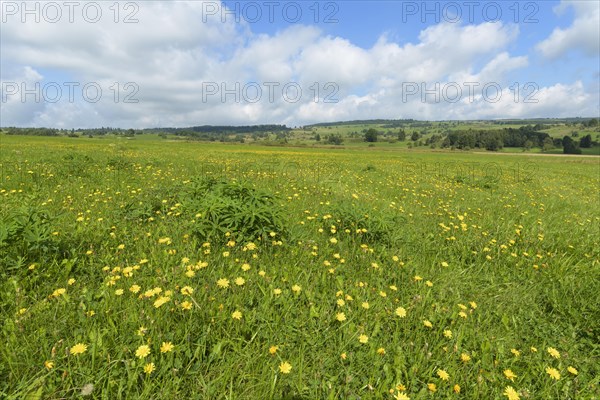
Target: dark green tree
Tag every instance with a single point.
(569, 146)
(335, 139)
(548, 144)
(371, 135)
(586, 142)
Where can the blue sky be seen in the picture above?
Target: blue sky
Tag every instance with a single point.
(184, 63)
(364, 22)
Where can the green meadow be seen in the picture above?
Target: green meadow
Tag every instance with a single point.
(160, 269)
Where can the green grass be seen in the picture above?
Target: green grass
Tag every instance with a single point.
(519, 236)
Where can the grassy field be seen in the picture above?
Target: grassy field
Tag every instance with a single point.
(154, 269)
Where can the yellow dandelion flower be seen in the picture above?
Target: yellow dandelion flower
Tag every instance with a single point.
(401, 396)
(363, 339)
(343, 356)
(186, 305)
(340, 317)
(119, 292)
(511, 393)
(432, 388)
(443, 375)
(166, 347)
(516, 352)
(553, 372)
(285, 367)
(223, 283)
(79, 348)
(456, 388)
(240, 281)
(276, 291)
(464, 357)
(296, 289)
(273, 349)
(448, 333)
(142, 352)
(400, 312)
(509, 375)
(572, 370)
(365, 305)
(161, 300)
(149, 368)
(381, 351)
(48, 364)
(553, 352)
(444, 264)
(533, 349)
(187, 291)
(236, 315)
(428, 323)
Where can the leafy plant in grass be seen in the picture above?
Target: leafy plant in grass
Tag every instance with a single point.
(146, 207)
(371, 226)
(25, 233)
(245, 212)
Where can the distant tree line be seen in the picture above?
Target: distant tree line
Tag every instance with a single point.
(230, 130)
(525, 136)
(68, 132)
(206, 132)
(387, 123)
(32, 131)
(495, 139)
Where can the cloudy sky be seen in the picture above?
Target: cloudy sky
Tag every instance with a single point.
(142, 64)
